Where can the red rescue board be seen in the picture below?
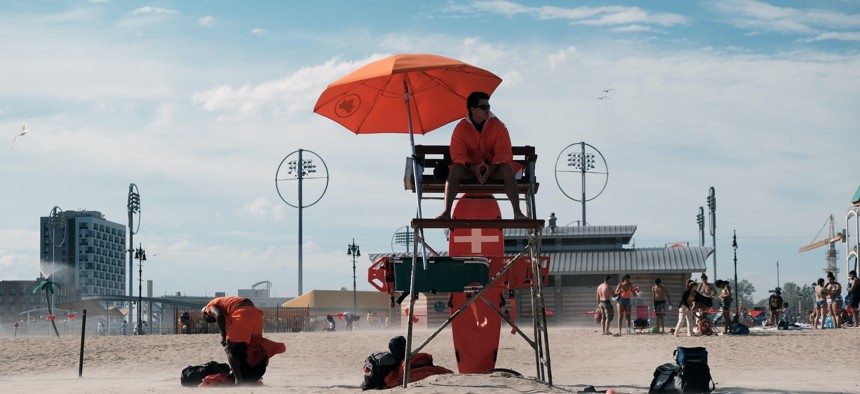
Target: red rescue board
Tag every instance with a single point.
(476, 330)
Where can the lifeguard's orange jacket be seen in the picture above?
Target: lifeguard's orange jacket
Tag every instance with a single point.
(243, 321)
(492, 145)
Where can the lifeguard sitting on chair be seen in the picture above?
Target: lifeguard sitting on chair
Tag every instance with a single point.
(480, 149)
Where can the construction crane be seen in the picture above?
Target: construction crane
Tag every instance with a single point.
(831, 239)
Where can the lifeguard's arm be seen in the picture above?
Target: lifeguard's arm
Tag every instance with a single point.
(502, 150)
(459, 152)
(221, 320)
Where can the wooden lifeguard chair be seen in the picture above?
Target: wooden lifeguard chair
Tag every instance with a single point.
(526, 269)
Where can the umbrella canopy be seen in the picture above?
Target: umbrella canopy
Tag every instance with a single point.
(373, 99)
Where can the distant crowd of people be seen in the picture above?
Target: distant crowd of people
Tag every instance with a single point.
(704, 303)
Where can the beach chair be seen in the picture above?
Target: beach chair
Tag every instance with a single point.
(640, 323)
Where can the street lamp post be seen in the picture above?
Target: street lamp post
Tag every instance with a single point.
(140, 255)
(737, 291)
(352, 250)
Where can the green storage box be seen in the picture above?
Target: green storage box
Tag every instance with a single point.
(444, 274)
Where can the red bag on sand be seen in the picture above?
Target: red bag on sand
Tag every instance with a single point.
(422, 367)
(220, 379)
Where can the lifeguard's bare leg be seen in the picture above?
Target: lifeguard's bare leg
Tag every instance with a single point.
(452, 186)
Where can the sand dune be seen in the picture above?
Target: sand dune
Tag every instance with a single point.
(766, 361)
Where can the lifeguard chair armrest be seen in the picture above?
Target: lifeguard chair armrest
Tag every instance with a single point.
(431, 156)
(478, 223)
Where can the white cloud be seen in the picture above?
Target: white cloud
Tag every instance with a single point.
(594, 16)
(207, 20)
(836, 36)
(632, 28)
(259, 32)
(147, 10)
(263, 208)
(292, 94)
(757, 15)
(560, 57)
(147, 15)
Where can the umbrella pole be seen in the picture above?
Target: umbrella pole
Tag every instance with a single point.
(407, 364)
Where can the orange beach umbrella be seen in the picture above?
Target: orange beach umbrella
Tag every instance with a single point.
(375, 98)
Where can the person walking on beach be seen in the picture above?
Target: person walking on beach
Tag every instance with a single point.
(685, 308)
(241, 327)
(604, 304)
(481, 149)
(624, 291)
(662, 303)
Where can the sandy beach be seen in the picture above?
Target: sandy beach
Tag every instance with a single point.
(766, 361)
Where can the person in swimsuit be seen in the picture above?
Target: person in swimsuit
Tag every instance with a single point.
(624, 291)
(726, 302)
(708, 290)
(822, 301)
(660, 297)
(604, 304)
(854, 290)
(775, 302)
(834, 291)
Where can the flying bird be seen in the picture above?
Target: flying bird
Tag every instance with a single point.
(602, 97)
(24, 130)
(607, 90)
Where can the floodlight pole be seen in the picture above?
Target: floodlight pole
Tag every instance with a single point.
(300, 176)
(712, 208)
(300, 169)
(133, 206)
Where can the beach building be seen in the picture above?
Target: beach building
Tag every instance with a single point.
(85, 255)
(368, 304)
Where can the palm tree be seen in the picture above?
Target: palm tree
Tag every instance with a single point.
(48, 286)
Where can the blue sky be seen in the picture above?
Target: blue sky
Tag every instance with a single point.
(198, 102)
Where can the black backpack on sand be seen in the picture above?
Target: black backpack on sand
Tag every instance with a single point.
(376, 367)
(193, 375)
(666, 379)
(695, 375)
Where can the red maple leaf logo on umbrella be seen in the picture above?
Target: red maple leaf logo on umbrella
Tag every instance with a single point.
(348, 105)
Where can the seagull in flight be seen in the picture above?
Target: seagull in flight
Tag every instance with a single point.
(602, 98)
(24, 130)
(608, 90)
